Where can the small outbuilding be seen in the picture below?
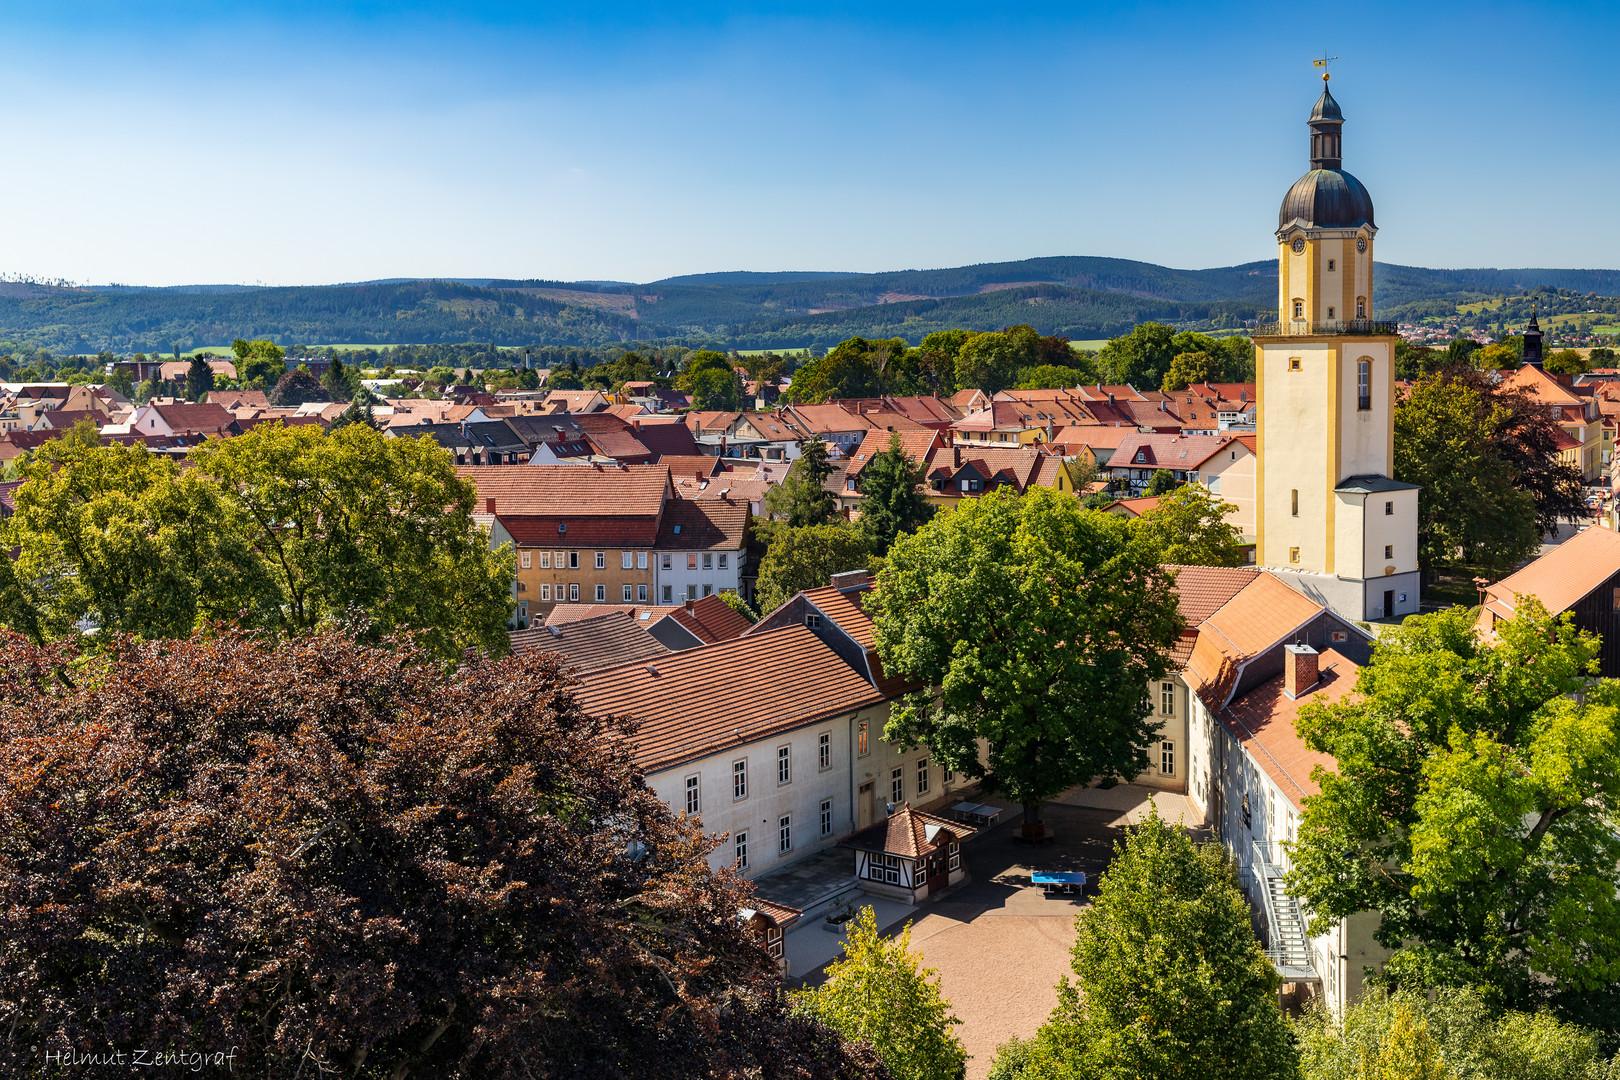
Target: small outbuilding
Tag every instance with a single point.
(910, 855)
(768, 922)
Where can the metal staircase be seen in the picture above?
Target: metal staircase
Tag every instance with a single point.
(1288, 946)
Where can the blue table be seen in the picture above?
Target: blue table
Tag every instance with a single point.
(1060, 881)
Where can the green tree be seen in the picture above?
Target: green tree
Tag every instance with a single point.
(199, 378)
(282, 529)
(1413, 362)
(122, 381)
(990, 361)
(1473, 809)
(854, 368)
(1164, 481)
(878, 993)
(1140, 358)
(1032, 624)
(1048, 377)
(259, 364)
(806, 558)
(1191, 527)
(892, 496)
(1188, 368)
(297, 388)
(711, 379)
(1566, 362)
(1470, 510)
(802, 497)
(1452, 1034)
(337, 381)
(1169, 979)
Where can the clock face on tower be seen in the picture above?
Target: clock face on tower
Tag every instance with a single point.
(1299, 245)
(1361, 244)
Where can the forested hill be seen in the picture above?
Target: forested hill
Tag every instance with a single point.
(1078, 296)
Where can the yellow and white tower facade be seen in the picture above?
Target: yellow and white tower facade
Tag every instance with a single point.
(1331, 518)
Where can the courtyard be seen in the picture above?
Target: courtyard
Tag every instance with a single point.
(999, 943)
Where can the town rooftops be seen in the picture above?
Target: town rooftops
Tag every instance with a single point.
(908, 833)
(1201, 591)
(1163, 451)
(192, 418)
(1258, 616)
(589, 644)
(698, 702)
(710, 619)
(1561, 577)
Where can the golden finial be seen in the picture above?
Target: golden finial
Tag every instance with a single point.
(1323, 62)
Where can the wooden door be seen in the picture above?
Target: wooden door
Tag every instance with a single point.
(937, 877)
(866, 805)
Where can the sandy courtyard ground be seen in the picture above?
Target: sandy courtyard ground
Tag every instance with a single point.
(999, 943)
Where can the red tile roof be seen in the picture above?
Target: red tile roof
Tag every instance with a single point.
(1264, 721)
(1166, 451)
(714, 697)
(908, 833)
(1561, 577)
(570, 492)
(192, 418)
(590, 644)
(710, 619)
(1260, 615)
(699, 524)
(666, 439)
(915, 443)
(697, 465)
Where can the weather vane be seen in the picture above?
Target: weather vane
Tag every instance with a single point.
(1323, 63)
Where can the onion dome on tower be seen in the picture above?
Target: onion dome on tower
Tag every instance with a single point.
(1327, 197)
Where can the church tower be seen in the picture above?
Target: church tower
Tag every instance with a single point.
(1330, 517)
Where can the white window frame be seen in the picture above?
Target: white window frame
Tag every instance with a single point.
(545, 560)
(669, 594)
(824, 751)
(641, 594)
(784, 834)
(601, 594)
(954, 862)
(573, 593)
(708, 560)
(641, 560)
(784, 764)
(723, 558)
(626, 594)
(601, 560)
(922, 777)
(524, 559)
(545, 592)
(627, 559)
(694, 794)
(739, 848)
(1167, 757)
(919, 873)
(863, 739)
(826, 817)
(897, 785)
(739, 780)
(1167, 699)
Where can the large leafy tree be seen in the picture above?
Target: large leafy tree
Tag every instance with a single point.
(1169, 979)
(258, 363)
(802, 497)
(1473, 808)
(1035, 625)
(1449, 1034)
(280, 529)
(879, 994)
(1191, 527)
(855, 368)
(1487, 459)
(892, 496)
(297, 388)
(354, 860)
(711, 379)
(805, 558)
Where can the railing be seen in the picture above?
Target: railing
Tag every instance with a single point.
(1293, 962)
(1330, 328)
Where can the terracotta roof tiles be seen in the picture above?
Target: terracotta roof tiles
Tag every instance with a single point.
(1561, 577)
(908, 833)
(694, 703)
(1264, 721)
(590, 644)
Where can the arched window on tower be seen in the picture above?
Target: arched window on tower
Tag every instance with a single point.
(1361, 307)
(1363, 385)
(1299, 309)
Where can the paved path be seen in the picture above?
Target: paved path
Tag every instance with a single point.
(1000, 944)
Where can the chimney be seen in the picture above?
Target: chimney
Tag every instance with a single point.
(489, 505)
(690, 604)
(850, 580)
(1299, 670)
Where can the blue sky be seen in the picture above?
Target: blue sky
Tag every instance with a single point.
(318, 142)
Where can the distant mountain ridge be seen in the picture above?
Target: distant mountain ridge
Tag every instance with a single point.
(1082, 297)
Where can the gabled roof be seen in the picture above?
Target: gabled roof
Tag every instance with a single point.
(1259, 616)
(1133, 508)
(710, 619)
(202, 416)
(908, 833)
(666, 439)
(1562, 577)
(590, 644)
(699, 524)
(915, 443)
(697, 465)
(702, 701)
(826, 419)
(570, 492)
(1264, 721)
(1543, 387)
(1201, 591)
(1163, 451)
